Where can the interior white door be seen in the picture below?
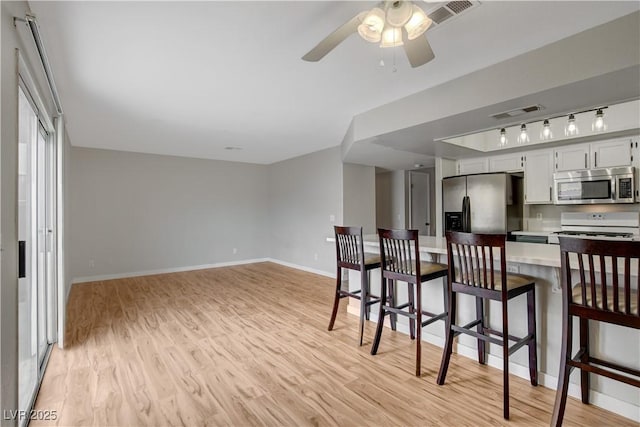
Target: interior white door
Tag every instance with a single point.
(420, 197)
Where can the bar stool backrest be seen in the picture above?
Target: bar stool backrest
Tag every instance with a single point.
(349, 247)
(471, 259)
(400, 254)
(610, 294)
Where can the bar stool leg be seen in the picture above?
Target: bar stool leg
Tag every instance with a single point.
(381, 314)
(533, 346)
(480, 329)
(584, 344)
(392, 302)
(412, 310)
(363, 302)
(505, 360)
(367, 313)
(448, 345)
(336, 300)
(418, 324)
(565, 369)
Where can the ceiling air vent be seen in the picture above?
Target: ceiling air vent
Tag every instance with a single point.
(458, 6)
(517, 112)
(443, 11)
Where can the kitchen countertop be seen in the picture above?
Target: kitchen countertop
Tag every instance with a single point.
(518, 252)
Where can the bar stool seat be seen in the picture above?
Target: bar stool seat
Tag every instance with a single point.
(372, 260)
(576, 293)
(350, 255)
(401, 262)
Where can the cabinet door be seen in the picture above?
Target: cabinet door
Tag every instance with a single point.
(506, 163)
(467, 166)
(572, 157)
(612, 153)
(538, 177)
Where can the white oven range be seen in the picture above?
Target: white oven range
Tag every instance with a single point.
(615, 226)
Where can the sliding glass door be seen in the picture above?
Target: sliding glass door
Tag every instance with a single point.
(37, 257)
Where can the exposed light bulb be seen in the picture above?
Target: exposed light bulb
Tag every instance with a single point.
(418, 24)
(503, 137)
(546, 133)
(571, 129)
(598, 124)
(523, 138)
(391, 37)
(372, 25)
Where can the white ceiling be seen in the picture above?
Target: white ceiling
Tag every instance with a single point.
(191, 78)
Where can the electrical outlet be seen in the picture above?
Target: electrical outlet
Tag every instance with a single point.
(539, 216)
(235, 250)
(513, 268)
(92, 263)
(332, 218)
(315, 257)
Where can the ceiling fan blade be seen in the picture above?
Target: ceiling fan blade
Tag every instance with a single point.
(335, 38)
(418, 50)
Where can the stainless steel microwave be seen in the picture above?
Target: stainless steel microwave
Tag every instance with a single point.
(595, 186)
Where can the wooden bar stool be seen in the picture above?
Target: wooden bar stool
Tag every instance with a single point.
(593, 297)
(350, 254)
(401, 261)
(471, 272)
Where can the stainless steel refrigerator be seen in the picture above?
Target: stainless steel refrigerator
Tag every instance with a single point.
(483, 203)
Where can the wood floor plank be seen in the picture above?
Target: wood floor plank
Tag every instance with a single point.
(248, 345)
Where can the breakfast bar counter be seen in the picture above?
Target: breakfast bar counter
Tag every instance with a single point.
(517, 252)
(542, 262)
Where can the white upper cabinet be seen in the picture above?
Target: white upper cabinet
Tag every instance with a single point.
(476, 165)
(601, 154)
(513, 162)
(538, 177)
(612, 153)
(572, 157)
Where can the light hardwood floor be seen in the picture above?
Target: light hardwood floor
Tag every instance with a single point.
(249, 345)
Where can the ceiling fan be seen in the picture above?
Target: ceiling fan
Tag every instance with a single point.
(391, 23)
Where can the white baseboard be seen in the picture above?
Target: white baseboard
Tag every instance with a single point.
(301, 267)
(166, 270)
(625, 409)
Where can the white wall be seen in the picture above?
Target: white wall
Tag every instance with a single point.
(359, 196)
(141, 212)
(303, 193)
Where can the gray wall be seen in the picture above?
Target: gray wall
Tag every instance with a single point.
(383, 200)
(303, 193)
(392, 192)
(13, 39)
(359, 196)
(9, 216)
(141, 212)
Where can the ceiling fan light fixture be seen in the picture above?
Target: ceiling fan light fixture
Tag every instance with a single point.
(417, 24)
(372, 25)
(399, 13)
(391, 37)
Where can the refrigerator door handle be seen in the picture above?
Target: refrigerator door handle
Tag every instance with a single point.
(466, 214)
